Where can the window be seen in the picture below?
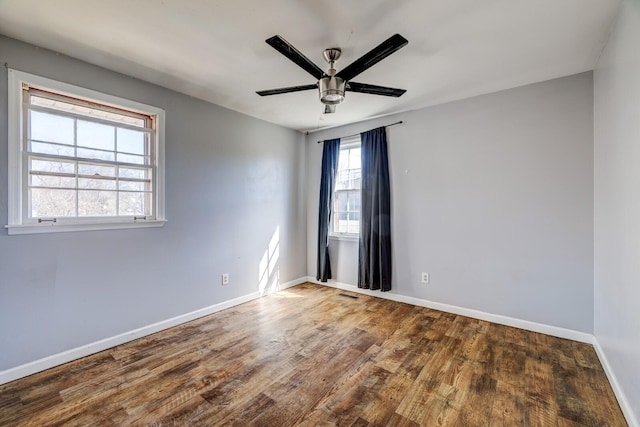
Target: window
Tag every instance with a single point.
(81, 160)
(346, 200)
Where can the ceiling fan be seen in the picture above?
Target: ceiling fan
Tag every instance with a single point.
(332, 85)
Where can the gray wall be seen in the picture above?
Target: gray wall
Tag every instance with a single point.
(231, 181)
(617, 203)
(493, 196)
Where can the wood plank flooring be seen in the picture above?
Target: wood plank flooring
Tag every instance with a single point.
(308, 356)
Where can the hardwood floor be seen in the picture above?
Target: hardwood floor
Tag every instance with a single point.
(309, 356)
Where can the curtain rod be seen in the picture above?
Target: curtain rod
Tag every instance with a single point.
(356, 134)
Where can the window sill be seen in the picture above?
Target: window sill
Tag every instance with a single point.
(345, 237)
(62, 228)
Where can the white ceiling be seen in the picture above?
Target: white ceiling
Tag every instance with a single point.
(215, 49)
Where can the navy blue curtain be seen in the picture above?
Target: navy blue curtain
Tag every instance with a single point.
(330, 155)
(374, 257)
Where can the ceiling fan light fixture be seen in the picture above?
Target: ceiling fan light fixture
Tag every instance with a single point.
(331, 90)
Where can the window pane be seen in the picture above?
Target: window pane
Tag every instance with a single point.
(343, 160)
(354, 201)
(58, 150)
(354, 222)
(130, 158)
(51, 128)
(61, 166)
(96, 203)
(52, 203)
(134, 173)
(342, 201)
(96, 135)
(354, 178)
(97, 184)
(96, 170)
(86, 153)
(132, 203)
(52, 181)
(132, 185)
(354, 158)
(131, 141)
(342, 180)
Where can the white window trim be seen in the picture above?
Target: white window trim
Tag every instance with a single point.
(345, 143)
(15, 164)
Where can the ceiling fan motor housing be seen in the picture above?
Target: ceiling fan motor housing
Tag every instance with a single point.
(331, 90)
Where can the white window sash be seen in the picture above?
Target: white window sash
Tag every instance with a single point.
(346, 144)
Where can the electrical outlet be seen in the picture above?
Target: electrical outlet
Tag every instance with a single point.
(225, 279)
(425, 277)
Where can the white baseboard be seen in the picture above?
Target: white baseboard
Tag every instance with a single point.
(97, 346)
(468, 312)
(624, 403)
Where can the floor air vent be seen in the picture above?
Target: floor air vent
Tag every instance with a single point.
(348, 296)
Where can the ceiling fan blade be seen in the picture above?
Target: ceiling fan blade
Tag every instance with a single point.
(374, 56)
(285, 48)
(328, 109)
(286, 90)
(374, 90)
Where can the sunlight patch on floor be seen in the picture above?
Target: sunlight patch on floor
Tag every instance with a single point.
(286, 294)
